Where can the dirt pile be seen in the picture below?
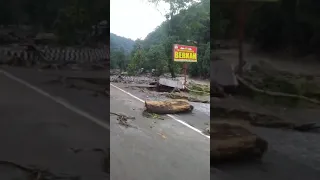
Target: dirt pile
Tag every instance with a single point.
(132, 79)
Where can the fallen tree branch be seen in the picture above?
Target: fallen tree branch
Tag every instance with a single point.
(123, 119)
(275, 94)
(122, 115)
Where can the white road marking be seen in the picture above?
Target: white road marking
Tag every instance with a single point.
(169, 115)
(57, 100)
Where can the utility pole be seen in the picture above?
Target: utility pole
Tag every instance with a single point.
(169, 34)
(241, 27)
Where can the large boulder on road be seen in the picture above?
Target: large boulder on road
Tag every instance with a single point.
(231, 142)
(168, 107)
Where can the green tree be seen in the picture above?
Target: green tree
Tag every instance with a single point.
(138, 61)
(189, 23)
(174, 8)
(121, 59)
(157, 59)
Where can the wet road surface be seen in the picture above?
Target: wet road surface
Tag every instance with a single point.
(199, 118)
(44, 133)
(37, 131)
(152, 148)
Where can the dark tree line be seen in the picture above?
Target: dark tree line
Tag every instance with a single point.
(70, 19)
(292, 26)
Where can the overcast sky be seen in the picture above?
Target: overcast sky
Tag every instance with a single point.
(134, 18)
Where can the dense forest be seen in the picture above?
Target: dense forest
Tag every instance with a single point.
(289, 26)
(188, 25)
(120, 48)
(118, 42)
(73, 21)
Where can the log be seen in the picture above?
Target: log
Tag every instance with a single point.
(168, 107)
(231, 142)
(275, 94)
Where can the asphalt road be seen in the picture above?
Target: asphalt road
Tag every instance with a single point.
(46, 131)
(37, 131)
(154, 149)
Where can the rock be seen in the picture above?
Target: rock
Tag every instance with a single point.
(168, 107)
(222, 73)
(171, 83)
(231, 142)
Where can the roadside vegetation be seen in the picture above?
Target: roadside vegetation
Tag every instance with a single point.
(185, 24)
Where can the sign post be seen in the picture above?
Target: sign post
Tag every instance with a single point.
(185, 66)
(185, 54)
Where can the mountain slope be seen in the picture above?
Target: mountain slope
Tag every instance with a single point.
(117, 42)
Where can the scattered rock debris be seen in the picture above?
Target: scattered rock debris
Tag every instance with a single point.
(123, 119)
(207, 131)
(152, 115)
(131, 79)
(99, 86)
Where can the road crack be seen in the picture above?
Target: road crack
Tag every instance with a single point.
(37, 173)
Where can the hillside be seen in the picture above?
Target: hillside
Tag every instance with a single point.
(190, 26)
(116, 42)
